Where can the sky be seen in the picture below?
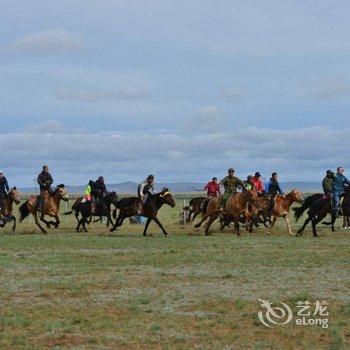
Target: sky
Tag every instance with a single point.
(180, 89)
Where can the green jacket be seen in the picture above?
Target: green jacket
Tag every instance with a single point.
(231, 184)
(327, 184)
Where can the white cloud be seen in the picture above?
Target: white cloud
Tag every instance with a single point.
(299, 154)
(48, 41)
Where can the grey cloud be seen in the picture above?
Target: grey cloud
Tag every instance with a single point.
(48, 41)
(299, 154)
(132, 94)
(325, 89)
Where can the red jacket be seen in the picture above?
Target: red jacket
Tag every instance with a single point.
(212, 188)
(259, 186)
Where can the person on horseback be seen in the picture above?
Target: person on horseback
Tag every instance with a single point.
(327, 184)
(98, 190)
(145, 190)
(259, 186)
(230, 183)
(45, 181)
(249, 183)
(338, 187)
(272, 189)
(212, 188)
(4, 189)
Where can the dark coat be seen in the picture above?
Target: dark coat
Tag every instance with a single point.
(45, 181)
(4, 187)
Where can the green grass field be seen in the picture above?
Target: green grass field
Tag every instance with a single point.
(122, 290)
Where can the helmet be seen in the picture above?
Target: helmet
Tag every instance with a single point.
(231, 170)
(150, 177)
(101, 178)
(249, 177)
(330, 172)
(257, 174)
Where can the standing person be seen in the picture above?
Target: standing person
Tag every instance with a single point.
(145, 190)
(212, 188)
(273, 188)
(327, 184)
(4, 189)
(259, 186)
(338, 187)
(45, 181)
(230, 183)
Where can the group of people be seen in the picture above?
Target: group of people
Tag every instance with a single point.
(333, 186)
(232, 184)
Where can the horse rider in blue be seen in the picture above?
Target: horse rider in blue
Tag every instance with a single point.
(338, 187)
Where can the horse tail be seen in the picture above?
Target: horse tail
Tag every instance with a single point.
(24, 211)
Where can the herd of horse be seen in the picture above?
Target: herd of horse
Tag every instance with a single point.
(247, 208)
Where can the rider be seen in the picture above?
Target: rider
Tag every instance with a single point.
(230, 184)
(145, 190)
(98, 190)
(259, 186)
(249, 183)
(4, 189)
(45, 181)
(338, 188)
(327, 184)
(212, 188)
(273, 188)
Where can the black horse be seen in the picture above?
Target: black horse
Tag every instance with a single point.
(128, 207)
(320, 207)
(102, 208)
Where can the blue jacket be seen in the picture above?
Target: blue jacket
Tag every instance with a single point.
(273, 188)
(339, 182)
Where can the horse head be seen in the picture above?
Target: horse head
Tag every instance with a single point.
(62, 192)
(166, 196)
(296, 196)
(113, 197)
(14, 195)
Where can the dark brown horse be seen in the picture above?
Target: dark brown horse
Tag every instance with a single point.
(6, 211)
(51, 207)
(195, 207)
(128, 207)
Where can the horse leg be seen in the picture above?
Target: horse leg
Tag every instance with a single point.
(274, 219)
(146, 226)
(83, 222)
(212, 218)
(205, 217)
(286, 218)
(301, 230)
(14, 222)
(37, 222)
(57, 221)
(42, 218)
(160, 225)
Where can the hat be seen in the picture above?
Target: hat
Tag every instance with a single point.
(150, 177)
(330, 172)
(249, 177)
(257, 174)
(231, 170)
(100, 178)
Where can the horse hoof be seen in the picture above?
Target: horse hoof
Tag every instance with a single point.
(292, 233)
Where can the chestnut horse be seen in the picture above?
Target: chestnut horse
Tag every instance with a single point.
(236, 205)
(282, 207)
(6, 210)
(51, 207)
(128, 207)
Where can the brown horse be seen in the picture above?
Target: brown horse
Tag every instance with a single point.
(51, 207)
(235, 206)
(195, 207)
(129, 206)
(6, 210)
(282, 207)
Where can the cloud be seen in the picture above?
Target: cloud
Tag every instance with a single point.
(325, 89)
(132, 94)
(231, 93)
(50, 41)
(299, 154)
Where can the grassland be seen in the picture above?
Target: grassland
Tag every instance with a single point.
(103, 291)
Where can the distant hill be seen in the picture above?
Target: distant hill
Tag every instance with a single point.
(177, 187)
